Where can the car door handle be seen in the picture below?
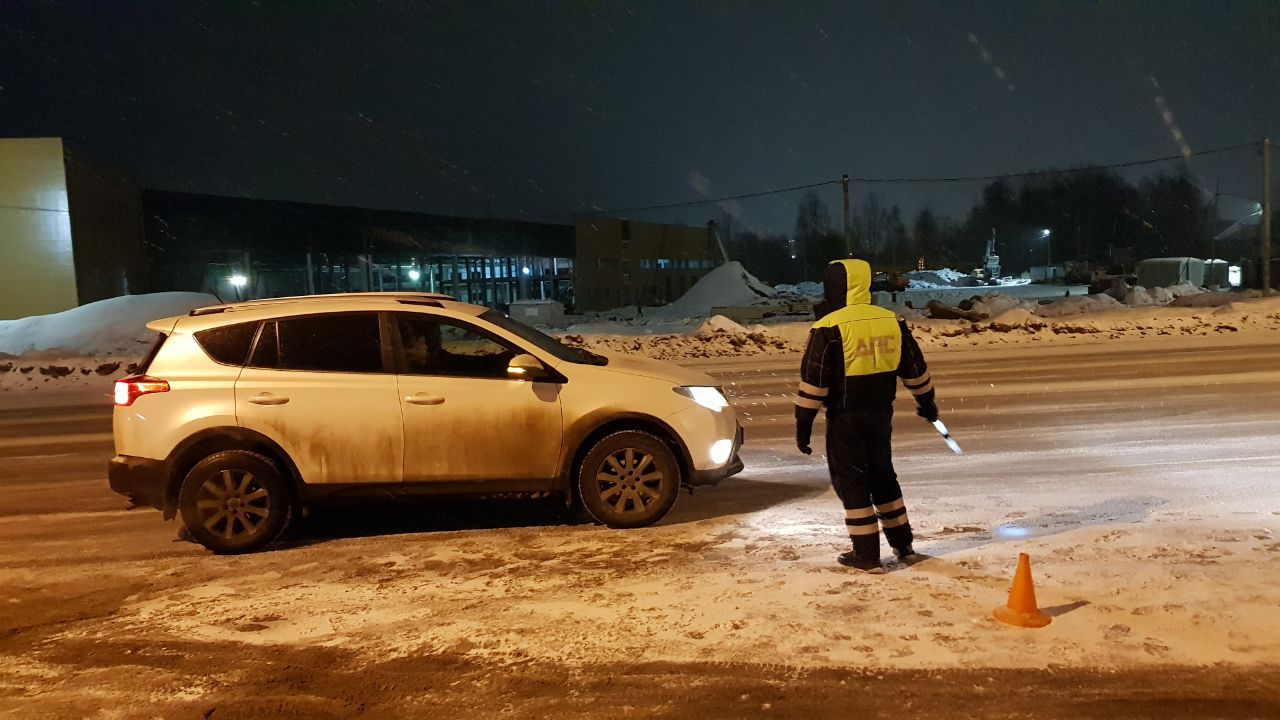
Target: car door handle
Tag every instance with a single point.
(421, 399)
(267, 398)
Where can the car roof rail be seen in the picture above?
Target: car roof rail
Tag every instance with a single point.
(419, 298)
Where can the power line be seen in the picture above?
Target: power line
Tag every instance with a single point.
(1068, 171)
(689, 203)
(901, 180)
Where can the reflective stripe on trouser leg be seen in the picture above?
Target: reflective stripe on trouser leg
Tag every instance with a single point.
(863, 532)
(860, 521)
(897, 528)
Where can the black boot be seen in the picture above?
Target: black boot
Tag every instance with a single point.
(865, 554)
(907, 555)
(851, 559)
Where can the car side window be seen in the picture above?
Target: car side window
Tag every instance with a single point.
(347, 342)
(228, 344)
(266, 353)
(434, 346)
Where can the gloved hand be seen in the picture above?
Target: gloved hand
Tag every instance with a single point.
(928, 411)
(802, 441)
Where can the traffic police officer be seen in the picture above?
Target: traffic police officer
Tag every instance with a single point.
(855, 355)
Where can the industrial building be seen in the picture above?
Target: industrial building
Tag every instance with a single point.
(623, 262)
(239, 249)
(70, 229)
(73, 232)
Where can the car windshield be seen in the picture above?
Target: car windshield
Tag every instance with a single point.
(543, 341)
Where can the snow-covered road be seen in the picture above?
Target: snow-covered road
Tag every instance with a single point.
(1141, 476)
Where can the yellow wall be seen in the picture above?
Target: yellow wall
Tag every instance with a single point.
(37, 270)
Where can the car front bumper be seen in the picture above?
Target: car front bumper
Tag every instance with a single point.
(713, 476)
(142, 480)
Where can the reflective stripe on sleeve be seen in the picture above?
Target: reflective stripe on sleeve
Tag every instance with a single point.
(923, 389)
(808, 403)
(917, 380)
(813, 390)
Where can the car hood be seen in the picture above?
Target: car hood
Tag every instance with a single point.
(655, 369)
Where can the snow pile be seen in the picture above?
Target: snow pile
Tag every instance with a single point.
(729, 285)
(1141, 297)
(1015, 317)
(1214, 299)
(1079, 305)
(1185, 288)
(116, 326)
(718, 324)
(804, 290)
(718, 336)
(993, 305)
(944, 278)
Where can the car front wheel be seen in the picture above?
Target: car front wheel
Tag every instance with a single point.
(629, 479)
(235, 502)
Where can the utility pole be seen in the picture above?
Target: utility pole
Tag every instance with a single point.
(848, 235)
(1266, 216)
(1213, 225)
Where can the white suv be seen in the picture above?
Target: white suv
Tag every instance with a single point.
(244, 413)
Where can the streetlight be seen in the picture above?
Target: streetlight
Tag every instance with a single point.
(1047, 235)
(414, 275)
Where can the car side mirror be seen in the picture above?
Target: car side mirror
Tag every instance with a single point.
(527, 367)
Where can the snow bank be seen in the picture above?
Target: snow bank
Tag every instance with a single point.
(806, 290)
(729, 285)
(1078, 305)
(718, 336)
(994, 305)
(1208, 299)
(116, 326)
(944, 278)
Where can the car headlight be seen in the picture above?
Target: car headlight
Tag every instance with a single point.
(708, 397)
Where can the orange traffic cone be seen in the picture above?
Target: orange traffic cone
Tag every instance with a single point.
(1021, 609)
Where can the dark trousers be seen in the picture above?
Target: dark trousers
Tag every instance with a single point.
(860, 457)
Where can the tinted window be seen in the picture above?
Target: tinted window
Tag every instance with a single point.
(151, 355)
(433, 347)
(228, 345)
(330, 343)
(266, 354)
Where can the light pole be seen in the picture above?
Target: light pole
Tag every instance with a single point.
(1047, 235)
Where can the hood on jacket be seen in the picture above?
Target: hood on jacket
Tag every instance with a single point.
(846, 282)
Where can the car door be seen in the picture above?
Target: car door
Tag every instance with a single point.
(464, 418)
(322, 387)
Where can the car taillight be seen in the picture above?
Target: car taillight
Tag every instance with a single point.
(135, 386)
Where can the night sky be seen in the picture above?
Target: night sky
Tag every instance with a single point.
(535, 110)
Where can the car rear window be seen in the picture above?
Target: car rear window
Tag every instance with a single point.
(151, 354)
(229, 344)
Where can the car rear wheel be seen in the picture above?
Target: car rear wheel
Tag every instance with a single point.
(235, 502)
(629, 479)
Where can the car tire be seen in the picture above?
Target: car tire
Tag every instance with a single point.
(629, 479)
(235, 501)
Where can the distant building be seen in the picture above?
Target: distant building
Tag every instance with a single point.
(70, 229)
(240, 248)
(625, 263)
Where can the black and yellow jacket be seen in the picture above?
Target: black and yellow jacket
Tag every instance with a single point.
(857, 351)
